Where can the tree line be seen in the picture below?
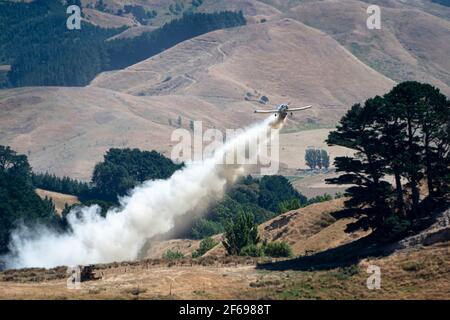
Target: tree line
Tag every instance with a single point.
(120, 171)
(64, 185)
(404, 134)
(125, 52)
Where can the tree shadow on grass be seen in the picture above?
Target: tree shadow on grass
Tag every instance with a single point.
(342, 256)
(372, 245)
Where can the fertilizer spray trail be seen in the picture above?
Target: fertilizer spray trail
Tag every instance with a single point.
(149, 210)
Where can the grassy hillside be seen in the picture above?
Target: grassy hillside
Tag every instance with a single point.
(416, 273)
(214, 78)
(308, 230)
(220, 77)
(293, 62)
(60, 200)
(411, 44)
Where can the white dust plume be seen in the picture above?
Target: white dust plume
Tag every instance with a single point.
(149, 209)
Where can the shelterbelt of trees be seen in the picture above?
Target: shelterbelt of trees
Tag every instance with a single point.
(35, 41)
(404, 134)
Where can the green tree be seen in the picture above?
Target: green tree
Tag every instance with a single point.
(311, 158)
(357, 130)
(205, 228)
(405, 133)
(317, 158)
(276, 189)
(416, 117)
(265, 198)
(289, 205)
(252, 250)
(324, 159)
(64, 185)
(43, 51)
(123, 169)
(18, 201)
(241, 232)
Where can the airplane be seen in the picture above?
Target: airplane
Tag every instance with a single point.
(282, 110)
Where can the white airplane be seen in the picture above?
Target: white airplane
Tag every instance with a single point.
(282, 110)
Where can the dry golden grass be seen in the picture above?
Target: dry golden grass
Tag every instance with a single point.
(311, 229)
(412, 44)
(306, 230)
(59, 199)
(307, 53)
(67, 130)
(419, 274)
(423, 273)
(106, 20)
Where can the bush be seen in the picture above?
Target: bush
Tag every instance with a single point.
(289, 205)
(241, 232)
(338, 195)
(205, 245)
(172, 255)
(277, 249)
(252, 250)
(395, 226)
(347, 272)
(322, 198)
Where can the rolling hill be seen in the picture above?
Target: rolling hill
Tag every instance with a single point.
(308, 52)
(411, 45)
(293, 62)
(213, 78)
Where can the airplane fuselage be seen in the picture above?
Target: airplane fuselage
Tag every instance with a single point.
(282, 111)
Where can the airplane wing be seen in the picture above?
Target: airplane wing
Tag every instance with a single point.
(266, 111)
(299, 109)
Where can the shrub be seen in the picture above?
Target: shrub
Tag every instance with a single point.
(172, 255)
(205, 245)
(347, 272)
(263, 99)
(322, 198)
(338, 195)
(252, 250)
(277, 249)
(395, 226)
(289, 205)
(240, 232)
